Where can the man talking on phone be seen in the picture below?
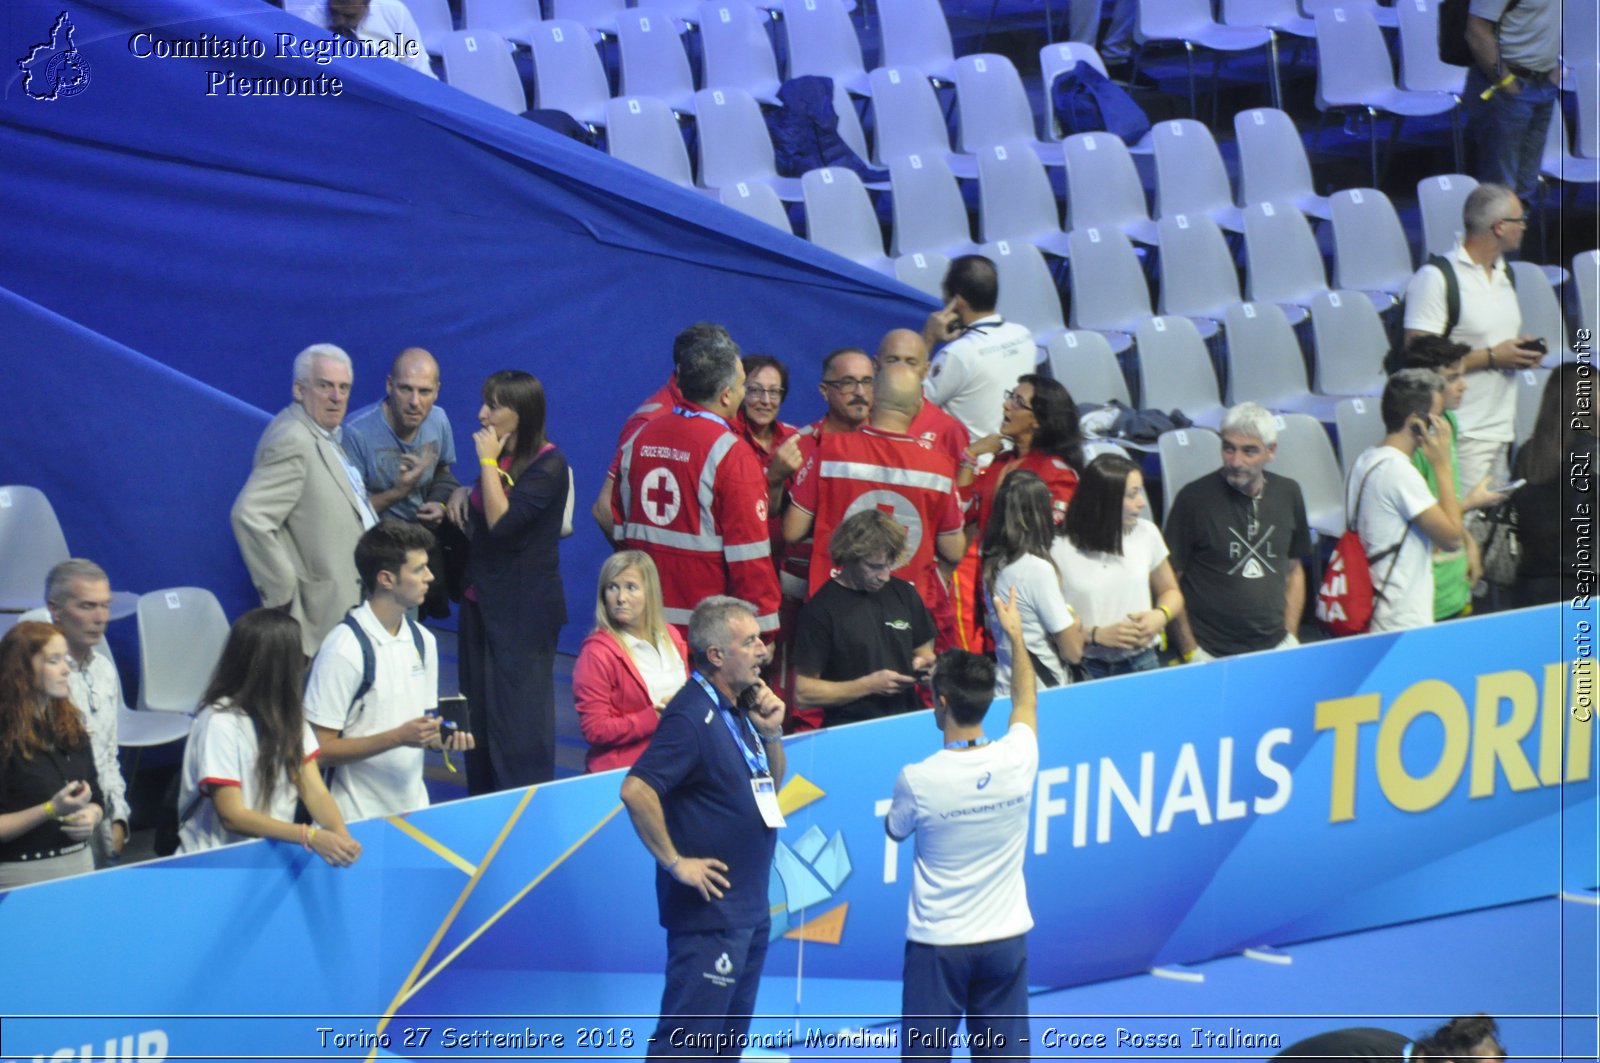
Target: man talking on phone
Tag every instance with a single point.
(1391, 508)
(374, 687)
(978, 355)
(703, 798)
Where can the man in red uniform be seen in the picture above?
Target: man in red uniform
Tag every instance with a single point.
(660, 402)
(847, 389)
(903, 346)
(691, 494)
(885, 467)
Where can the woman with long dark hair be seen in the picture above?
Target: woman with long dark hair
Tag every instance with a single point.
(514, 605)
(1558, 461)
(251, 754)
(1039, 432)
(1016, 559)
(50, 799)
(1114, 569)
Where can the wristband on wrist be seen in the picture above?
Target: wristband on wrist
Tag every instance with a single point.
(1165, 612)
(492, 463)
(1490, 352)
(50, 809)
(1092, 632)
(1190, 655)
(304, 838)
(668, 867)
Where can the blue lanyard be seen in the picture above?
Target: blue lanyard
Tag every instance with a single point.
(756, 761)
(684, 411)
(966, 743)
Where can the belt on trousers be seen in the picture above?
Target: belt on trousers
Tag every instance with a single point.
(1525, 74)
(17, 858)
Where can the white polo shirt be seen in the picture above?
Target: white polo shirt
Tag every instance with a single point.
(1489, 315)
(972, 373)
(969, 811)
(403, 688)
(222, 751)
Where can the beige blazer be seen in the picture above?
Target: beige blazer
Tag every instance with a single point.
(297, 521)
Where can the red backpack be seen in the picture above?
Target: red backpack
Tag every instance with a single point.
(1345, 598)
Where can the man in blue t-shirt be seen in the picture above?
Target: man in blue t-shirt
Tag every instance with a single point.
(704, 799)
(403, 447)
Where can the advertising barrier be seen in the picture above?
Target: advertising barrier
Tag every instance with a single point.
(1179, 816)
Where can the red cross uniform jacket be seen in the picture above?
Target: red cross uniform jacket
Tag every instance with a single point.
(691, 494)
(907, 478)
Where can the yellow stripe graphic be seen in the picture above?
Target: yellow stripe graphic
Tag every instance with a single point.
(433, 845)
(413, 990)
(455, 909)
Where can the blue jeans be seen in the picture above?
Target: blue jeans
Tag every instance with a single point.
(1144, 661)
(1509, 130)
(987, 982)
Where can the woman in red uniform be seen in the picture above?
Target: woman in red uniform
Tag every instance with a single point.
(1038, 432)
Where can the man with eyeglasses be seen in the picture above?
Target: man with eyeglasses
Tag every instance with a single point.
(1476, 304)
(299, 515)
(982, 354)
(847, 380)
(881, 467)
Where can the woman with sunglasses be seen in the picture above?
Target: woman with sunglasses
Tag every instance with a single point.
(1038, 432)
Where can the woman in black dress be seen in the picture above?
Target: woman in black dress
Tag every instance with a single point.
(514, 605)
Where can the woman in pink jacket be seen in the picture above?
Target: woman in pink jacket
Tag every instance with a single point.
(630, 666)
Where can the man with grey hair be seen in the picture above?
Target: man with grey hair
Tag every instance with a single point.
(1475, 303)
(1392, 509)
(693, 342)
(77, 594)
(300, 513)
(691, 493)
(703, 798)
(1238, 538)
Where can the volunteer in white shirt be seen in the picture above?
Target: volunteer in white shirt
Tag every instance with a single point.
(967, 805)
(375, 742)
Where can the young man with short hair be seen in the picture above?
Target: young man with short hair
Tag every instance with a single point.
(968, 917)
(374, 738)
(1388, 502)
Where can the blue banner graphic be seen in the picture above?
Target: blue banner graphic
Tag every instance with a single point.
(1179, 816)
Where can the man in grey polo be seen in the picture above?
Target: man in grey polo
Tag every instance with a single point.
(1516, 53)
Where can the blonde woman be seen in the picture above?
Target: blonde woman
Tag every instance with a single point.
(629, 667)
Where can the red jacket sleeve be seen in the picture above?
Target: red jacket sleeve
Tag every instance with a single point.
(613, 705)
(740, 509)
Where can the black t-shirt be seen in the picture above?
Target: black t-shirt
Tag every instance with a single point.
(704, 782)
(844, 634)
(1234, 554)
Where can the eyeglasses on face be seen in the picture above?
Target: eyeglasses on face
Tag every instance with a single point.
(1015, 399)
(847, 383)
(760, 394)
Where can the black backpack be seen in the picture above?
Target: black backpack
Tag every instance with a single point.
(1452, 304)
(1453, 30)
